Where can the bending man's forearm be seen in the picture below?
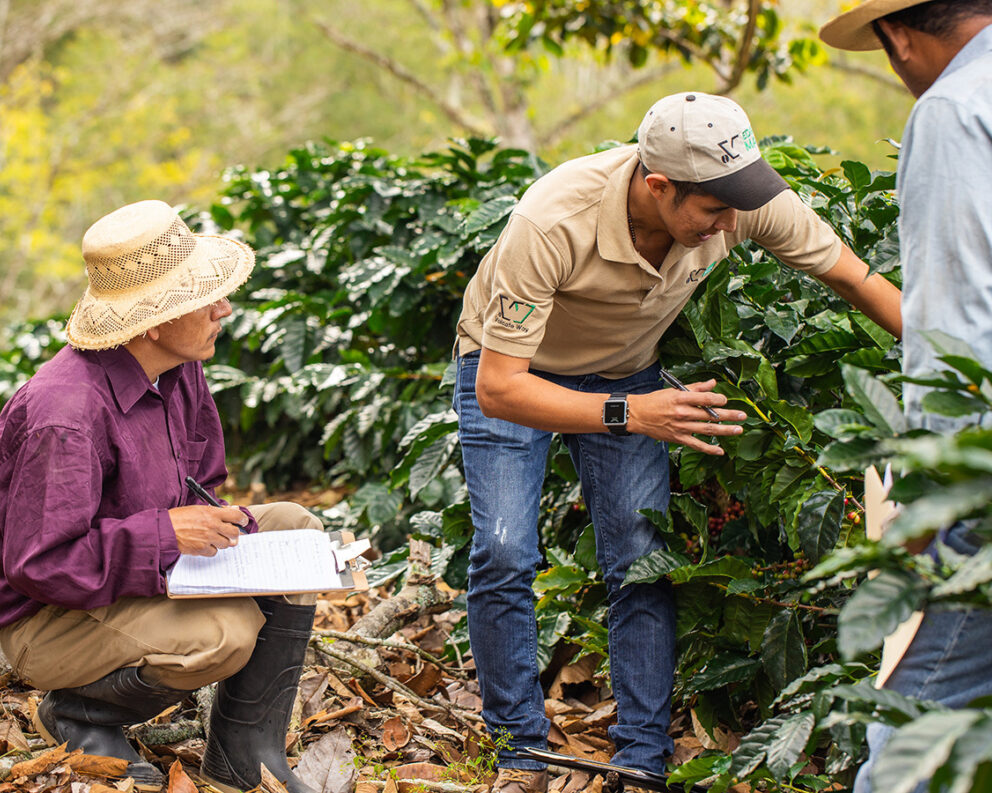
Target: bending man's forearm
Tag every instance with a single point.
(878, 299)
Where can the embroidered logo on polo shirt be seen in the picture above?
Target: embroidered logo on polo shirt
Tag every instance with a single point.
(698, 275)
(513, 313)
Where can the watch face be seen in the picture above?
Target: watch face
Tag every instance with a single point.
(615, 412)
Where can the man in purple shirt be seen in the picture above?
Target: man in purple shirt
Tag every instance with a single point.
(94, 510)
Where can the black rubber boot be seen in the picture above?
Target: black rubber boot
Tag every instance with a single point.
(251, 711)
(92, 718)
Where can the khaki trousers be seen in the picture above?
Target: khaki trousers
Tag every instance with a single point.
(182, 644)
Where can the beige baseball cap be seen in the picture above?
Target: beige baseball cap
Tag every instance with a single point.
(706, 139)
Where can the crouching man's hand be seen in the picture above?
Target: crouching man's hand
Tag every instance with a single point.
(202, 530)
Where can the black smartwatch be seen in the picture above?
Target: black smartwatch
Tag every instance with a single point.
(615, 414)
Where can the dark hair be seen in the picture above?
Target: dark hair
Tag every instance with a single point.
(938, 18)
(682, 189)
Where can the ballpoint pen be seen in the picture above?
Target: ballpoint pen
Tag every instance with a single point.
(674, 382)
(199, 490)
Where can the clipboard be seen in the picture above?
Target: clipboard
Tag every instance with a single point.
(289, 562)
(879, 513)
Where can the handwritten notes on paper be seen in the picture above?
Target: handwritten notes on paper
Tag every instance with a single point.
(300, 560)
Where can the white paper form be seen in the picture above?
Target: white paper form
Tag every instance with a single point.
(299, 560)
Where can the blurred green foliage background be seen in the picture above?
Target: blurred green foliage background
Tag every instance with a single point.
(103, 103)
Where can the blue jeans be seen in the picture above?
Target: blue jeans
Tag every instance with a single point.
(947, 661)
(504, 471)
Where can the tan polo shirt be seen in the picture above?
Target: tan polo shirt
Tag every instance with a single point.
(564, 287)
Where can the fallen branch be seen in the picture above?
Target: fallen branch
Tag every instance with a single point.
(171, 732)
(395, 645)
(419, 596)
(465, 718)
(422, 784)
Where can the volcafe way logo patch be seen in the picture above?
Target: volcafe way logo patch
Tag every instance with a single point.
(731, 147)
(513, 313)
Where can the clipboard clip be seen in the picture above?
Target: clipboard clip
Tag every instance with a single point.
(349, 555)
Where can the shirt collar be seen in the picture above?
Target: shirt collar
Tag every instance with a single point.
(128, 380)
(980, 43)
(612, 232)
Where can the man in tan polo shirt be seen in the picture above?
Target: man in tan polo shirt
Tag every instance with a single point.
(559, 333)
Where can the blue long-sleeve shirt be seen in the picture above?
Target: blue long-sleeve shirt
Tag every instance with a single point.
(945, 223)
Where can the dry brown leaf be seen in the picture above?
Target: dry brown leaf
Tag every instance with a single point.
(391, 786)
(425, 681)
(409, 711)
(338, 687)
(577, 781)
(400, 670)
(179, 781)
(395, 735)
(328, 765)
(439, 729)
(189, 751)
(99, 787)
(41, 763)
(11, 737)
(573, 725)
(578, 747)
(579, 672)
(357, 688)
(469, 700)
(96, 765)
(598, 741)
(557, 707)
(687, 747)
(448, 752)
(429, 639)
(724, 740)
(603, 715)
(556, 736)
(312, 688)
(354, 705)
(165, 716)
(426, 771)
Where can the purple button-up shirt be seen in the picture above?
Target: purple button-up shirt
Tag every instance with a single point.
(92, 457)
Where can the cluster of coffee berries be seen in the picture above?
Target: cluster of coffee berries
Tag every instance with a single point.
(716, 523)
(785, 570)
(854, 516)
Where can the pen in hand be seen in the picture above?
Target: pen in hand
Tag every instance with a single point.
(200, 491)
(673, 381)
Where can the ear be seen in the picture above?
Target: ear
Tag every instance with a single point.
(899, 38)
(657, 183)
(152, 333)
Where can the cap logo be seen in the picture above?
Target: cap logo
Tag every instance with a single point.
(745, 140)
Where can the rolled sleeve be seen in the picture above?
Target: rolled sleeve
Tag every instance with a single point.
(792, 231)
(527, 270)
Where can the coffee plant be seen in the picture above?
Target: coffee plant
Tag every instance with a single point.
(335, 368)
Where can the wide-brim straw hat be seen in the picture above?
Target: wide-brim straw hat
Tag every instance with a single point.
(145, 267)
(853, 30)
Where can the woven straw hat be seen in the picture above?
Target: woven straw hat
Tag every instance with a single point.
(146, 267)
(853, 31)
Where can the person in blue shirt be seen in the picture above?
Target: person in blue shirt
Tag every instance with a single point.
(942, 51)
